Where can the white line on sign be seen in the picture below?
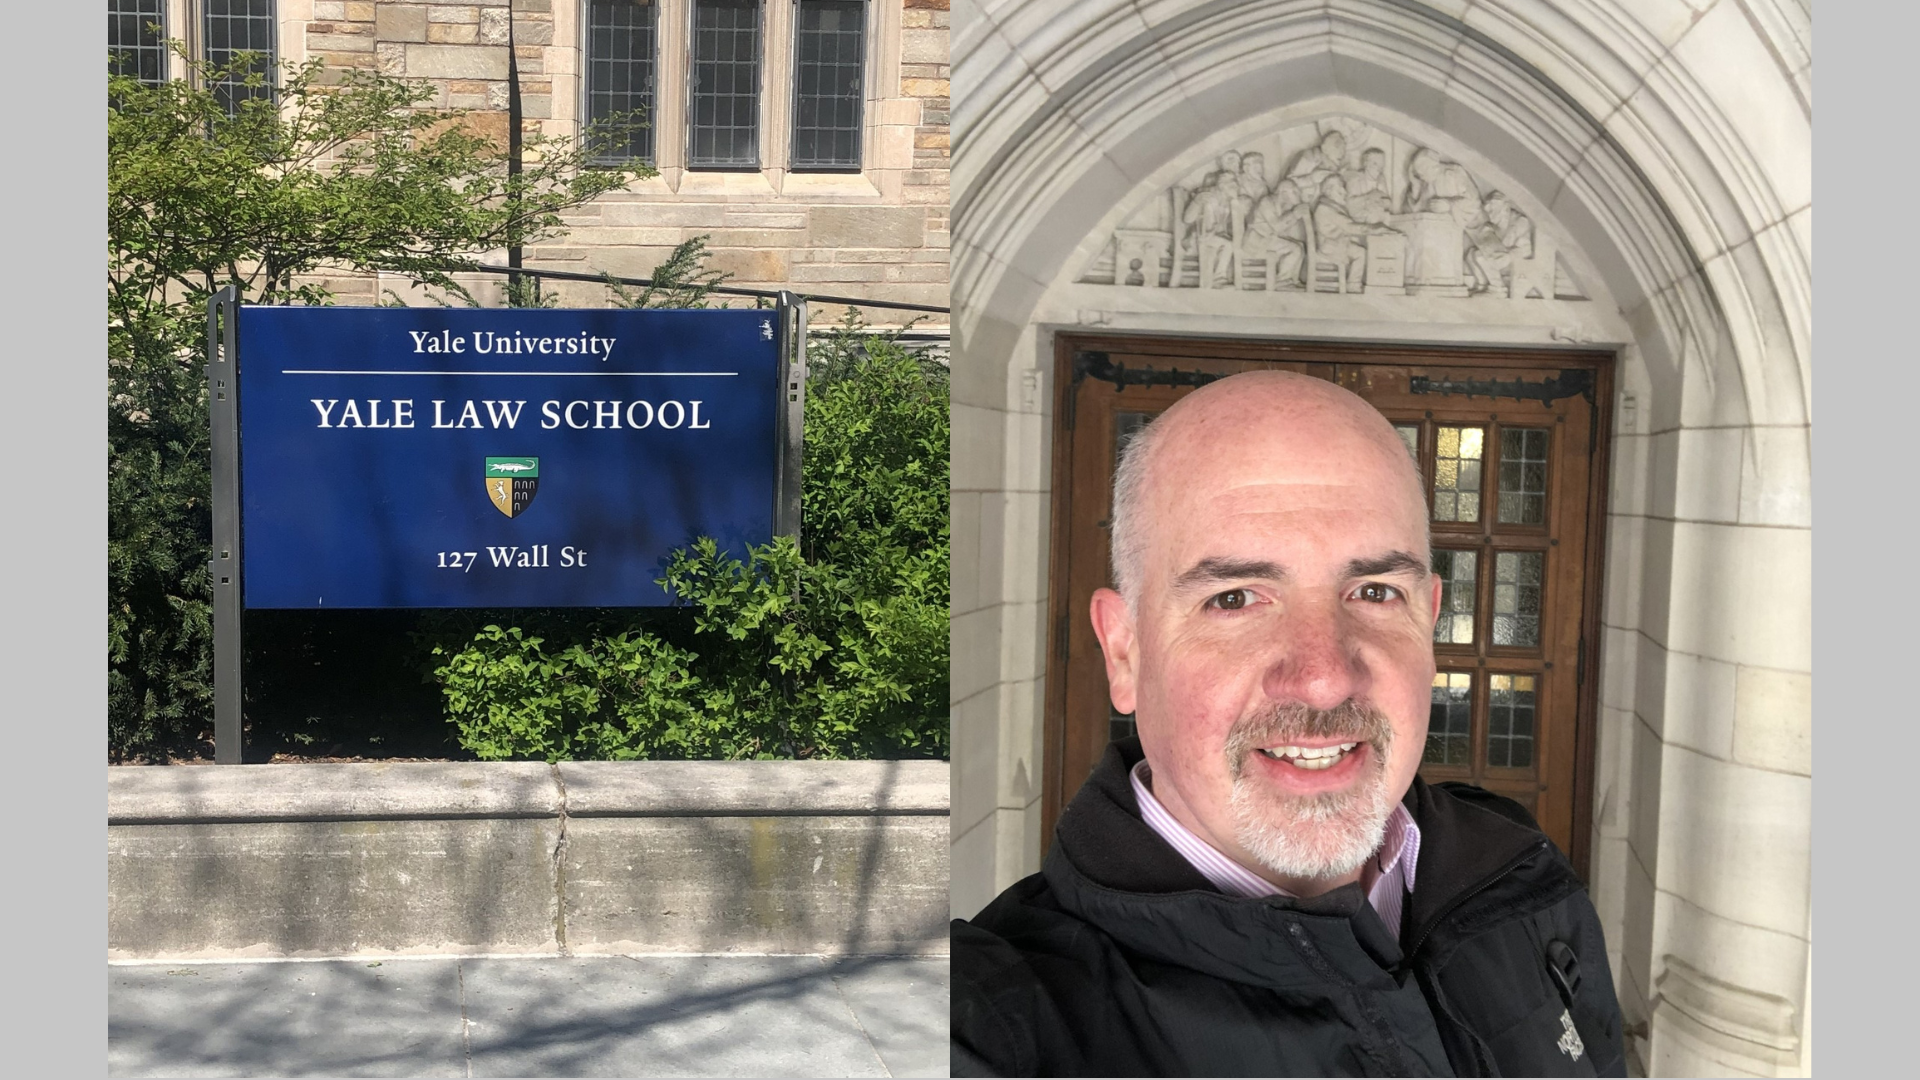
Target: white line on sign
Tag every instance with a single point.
(595, 374)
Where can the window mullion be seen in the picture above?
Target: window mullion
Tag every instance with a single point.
(776, 106)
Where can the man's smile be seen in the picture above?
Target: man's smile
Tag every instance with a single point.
(1309, 757)
(1301, 769)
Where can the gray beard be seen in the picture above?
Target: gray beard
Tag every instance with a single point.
(1322, 836)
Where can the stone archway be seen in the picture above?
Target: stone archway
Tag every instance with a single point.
(1684, 222)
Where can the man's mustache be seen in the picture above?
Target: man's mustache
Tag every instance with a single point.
(1351, 720)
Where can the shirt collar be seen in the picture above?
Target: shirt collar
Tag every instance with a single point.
(1399, 847)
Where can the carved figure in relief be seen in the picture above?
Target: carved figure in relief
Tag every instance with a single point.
(1209, 218)
(1337, 237)
(1228, 165)
(1506, 236)
(1368, 199)
(1314, 164)
(1252, 181)
(1247, 227)
(1276, 234)
(1253, 176)
(1440, 186)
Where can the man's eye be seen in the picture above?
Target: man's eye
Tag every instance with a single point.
(1231, 600)
(1373, 592)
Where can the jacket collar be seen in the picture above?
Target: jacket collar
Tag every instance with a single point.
(1110, 868)
(1117, 872)
(1469, 838)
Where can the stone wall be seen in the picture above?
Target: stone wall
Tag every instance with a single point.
(834, 857)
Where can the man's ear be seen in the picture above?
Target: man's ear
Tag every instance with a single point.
(1433, 609)
(1113, 625)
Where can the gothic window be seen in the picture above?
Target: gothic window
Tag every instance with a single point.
(234, 27)
(135, 39)
(829, 66)
(621, 37)
(724, 126)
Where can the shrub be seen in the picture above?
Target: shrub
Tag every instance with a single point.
(834, 647)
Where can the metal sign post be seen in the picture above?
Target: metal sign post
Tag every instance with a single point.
(793, 383)
(223, 367)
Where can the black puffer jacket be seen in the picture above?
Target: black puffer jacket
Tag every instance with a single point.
(1119, 959)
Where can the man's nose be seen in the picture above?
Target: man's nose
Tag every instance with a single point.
(1316, 660)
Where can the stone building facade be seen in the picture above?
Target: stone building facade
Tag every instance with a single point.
(876, 228)
(1623, 179)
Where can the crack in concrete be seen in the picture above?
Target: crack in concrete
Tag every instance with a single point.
(840, 991)
(466, 1026)
(560, 868)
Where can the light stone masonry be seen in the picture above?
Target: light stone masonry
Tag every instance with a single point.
(890, 219)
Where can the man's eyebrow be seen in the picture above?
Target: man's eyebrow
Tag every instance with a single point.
(1393, 562)
(1214, 569)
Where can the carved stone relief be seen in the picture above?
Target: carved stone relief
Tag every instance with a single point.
(1344, 208)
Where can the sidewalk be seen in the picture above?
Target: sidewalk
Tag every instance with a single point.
(544, 1016)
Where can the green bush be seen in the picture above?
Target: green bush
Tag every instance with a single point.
(832, 648)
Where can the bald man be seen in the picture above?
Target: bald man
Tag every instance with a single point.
(1260, 883)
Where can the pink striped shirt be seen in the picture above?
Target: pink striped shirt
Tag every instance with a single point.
(1393, 864)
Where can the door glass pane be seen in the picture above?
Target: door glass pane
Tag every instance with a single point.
(1458, 573)
(1523, 476)
(1125, 426)
(1450, 722)
(1516, 597)
(1456, 473)
(1510, 701)
(1410, 434)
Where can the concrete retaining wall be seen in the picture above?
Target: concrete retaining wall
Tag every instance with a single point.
(842, 857)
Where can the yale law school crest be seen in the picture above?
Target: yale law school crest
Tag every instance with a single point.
(511, 482)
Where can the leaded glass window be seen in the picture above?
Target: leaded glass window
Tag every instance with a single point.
(1450, 722)
(829, 74)
(620, 69)
(1516, 597)
(1456, 473)
(724, 128)
(1458, 583)
(1510, 704)
(241, 26)
(1125, 426)
(1523, 476)
(1410, 434)
(135, 35)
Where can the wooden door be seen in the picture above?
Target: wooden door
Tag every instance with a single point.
(1511, 445)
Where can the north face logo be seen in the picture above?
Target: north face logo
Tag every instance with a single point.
(1570, 1039)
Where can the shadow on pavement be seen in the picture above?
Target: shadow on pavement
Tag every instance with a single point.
(578, 1016)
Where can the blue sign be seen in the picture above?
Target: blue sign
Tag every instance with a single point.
(411, 458)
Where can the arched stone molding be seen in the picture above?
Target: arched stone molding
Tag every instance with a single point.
(1679, 179)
